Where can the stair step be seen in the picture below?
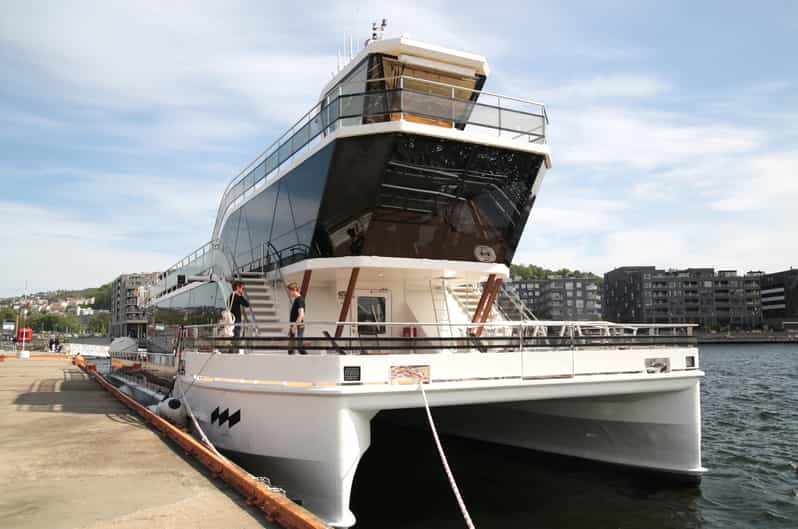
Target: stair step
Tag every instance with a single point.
(248, 275)
(271, 327)
(260, 294)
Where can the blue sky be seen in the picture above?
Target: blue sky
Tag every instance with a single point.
(674, 125)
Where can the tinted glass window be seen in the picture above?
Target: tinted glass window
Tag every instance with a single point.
(244, 242)
(284, 214)
(230, 232)
(411, 196)
(260, 211)
(304, 187)
(371, 308)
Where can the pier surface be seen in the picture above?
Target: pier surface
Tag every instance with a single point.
(75, 457)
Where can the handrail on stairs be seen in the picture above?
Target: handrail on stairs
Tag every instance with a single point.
(508, 292)
(231, 261)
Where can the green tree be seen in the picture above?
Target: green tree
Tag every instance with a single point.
(521, 271)
(528, 271)
(7, 313)
(54, 322)
(100, 323)
(102, 297)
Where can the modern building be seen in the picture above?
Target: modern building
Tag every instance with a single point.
(721, 299)
(780, 298)
(127, 315)
(561, 298)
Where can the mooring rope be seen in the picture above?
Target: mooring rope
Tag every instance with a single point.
(207, 442)
(452, 482)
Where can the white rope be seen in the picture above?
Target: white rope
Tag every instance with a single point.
(452, 482)
(207, 442)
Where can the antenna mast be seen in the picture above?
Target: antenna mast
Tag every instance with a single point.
(378, 31)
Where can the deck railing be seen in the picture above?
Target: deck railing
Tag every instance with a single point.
(389, 99)
(498, 337)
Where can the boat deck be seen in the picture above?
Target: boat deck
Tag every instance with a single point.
(74, 456)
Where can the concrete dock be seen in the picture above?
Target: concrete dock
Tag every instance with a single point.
(72, 456)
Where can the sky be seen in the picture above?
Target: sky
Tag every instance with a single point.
(674, 125)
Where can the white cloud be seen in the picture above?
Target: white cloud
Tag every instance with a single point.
(574, 214)
(51, 250)
(766, 182)
(736, 244)
(644, 140)
(607, 87)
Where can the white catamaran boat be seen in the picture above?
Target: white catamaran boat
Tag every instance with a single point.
(397, 203)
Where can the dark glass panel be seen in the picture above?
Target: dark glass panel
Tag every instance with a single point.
(350, 193)
(413, 196)
(230, 232)
(201, 305)
(243, 253)
(371, 309)
(304, 233)
(283, 214)
(305, 185)
(276, 212)
(260, 211)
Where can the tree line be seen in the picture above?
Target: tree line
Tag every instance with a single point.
(521, 271)
(57, 322)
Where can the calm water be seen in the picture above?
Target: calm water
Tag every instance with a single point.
(750, 445)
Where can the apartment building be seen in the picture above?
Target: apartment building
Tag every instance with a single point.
(711, 299)
(780, 298)
(127, 315)
(561, 298)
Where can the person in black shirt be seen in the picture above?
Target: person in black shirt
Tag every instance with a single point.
(236, 301)
(297, 318)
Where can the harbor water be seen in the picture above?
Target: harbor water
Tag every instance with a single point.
(750, 446)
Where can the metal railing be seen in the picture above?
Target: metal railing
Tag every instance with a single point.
(393, 98)
(508, 294)
(201, 262)
(200, 253)
(499, 337)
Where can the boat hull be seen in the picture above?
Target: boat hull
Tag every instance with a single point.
(653, 431)
(309, 439)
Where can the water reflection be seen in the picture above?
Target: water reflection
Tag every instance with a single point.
(401, 483)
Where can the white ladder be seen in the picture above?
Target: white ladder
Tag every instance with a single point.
(440, 308)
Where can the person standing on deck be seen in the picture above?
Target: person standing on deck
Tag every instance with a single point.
(236, 301)
(297, 319)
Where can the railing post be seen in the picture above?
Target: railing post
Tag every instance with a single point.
(401, 98)
(452, 103)
(544, 126)
(499, 110)
(571, 335)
